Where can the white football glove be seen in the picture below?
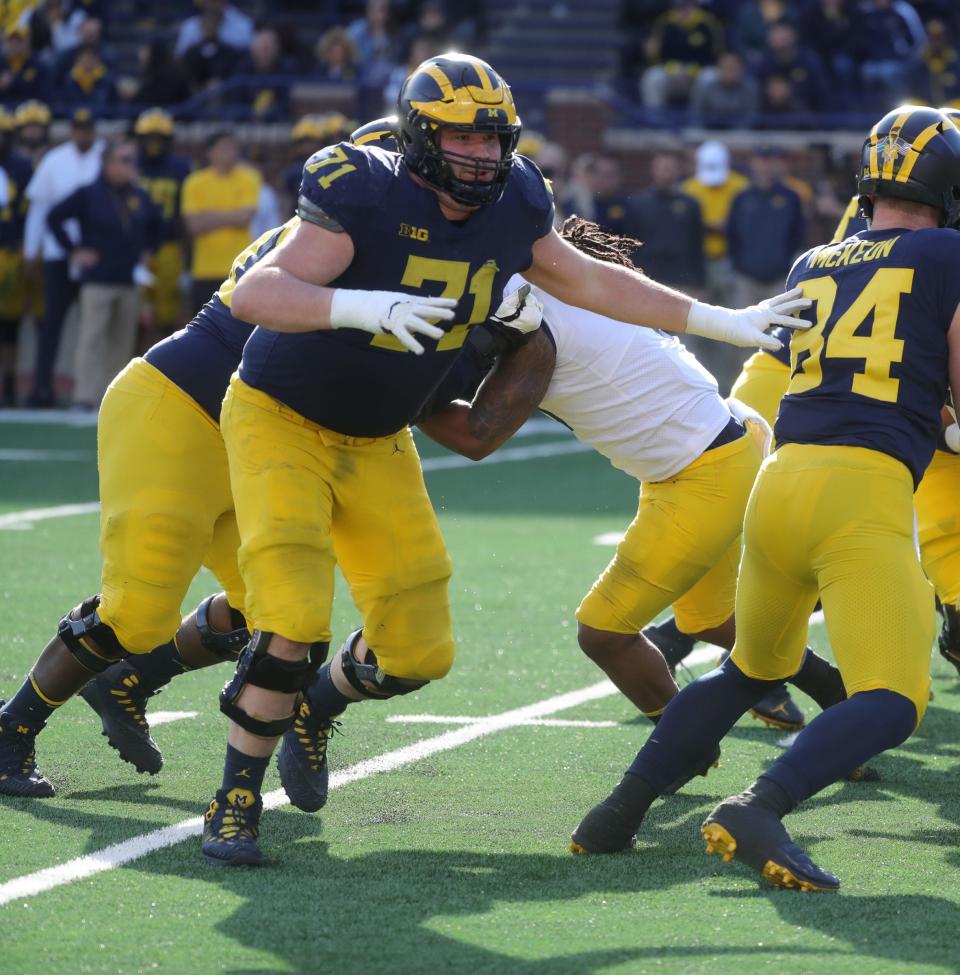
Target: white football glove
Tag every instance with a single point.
(521, 311)
(746, 327)
(391, 313)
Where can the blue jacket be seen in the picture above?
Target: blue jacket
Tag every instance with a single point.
(120, 225)
(766, 231)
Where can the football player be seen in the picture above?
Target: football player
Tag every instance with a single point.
(162, 174)
(323, 466)
(165, 510)
(831, 514)
(647, 405)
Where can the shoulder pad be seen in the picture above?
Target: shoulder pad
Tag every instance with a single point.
(341, 179)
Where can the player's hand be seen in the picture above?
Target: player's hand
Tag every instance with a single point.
(391, 313)
(951, 437)
(746, 327)
(520, 311)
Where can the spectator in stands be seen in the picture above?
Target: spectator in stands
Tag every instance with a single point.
(234, 28)
(22, 76)
(668, 223)
(797, 65)
(594, 191)
(714, 186)
(725, 96)
(32, 125)
(831, 28)
(54, 27)
(373, 36)
(684, 40)
(162, 174)
(766, 230)
(751, 21)
(89, 81)
(337, 56)
(218, 204)
(89, 34)
(551, 159)
(265, 69)
(780, 105)
(211, 59)
(162, 79)
(937, 80)
(117, 225)
(62, 170)
(892, 39)
(15, 173)
(432, 20)
(421, 48)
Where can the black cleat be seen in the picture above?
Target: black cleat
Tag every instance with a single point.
(779, 710)
(743, 829)
(19, 775)
(120, 700)
(230, 829)
(948, 640)
(611, 826)
(673, 644)
(304, 771)
(712, 762)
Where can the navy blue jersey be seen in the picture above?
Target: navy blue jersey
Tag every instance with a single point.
(202, 357)
(367, 385)
(872, 372)
(163, 178)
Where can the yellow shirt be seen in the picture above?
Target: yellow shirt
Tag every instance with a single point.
(715, 203)
(207, 190)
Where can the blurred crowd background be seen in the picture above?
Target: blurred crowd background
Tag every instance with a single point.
(143, 144)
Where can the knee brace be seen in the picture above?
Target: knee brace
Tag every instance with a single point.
(94, 645)
(226, 646)
(368, 679)
(258, 668)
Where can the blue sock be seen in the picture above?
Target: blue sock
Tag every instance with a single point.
(694, 723)
(160, 665)
(324, 698)
(244, 771)
(29, 708)
(842, 738)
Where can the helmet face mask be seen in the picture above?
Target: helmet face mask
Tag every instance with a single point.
(457, 92)
(912, 154)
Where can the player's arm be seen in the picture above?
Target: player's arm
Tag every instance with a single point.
(287, 291)
(504, 401)
(629, 296)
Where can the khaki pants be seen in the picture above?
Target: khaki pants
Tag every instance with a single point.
(750, 291)
(107, 337)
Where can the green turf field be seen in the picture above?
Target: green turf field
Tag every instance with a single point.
(455, 862)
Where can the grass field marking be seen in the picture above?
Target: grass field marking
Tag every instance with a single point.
(531, 722)
(118, 854)
(19, 519)
(608, 538)
(167, 717)
(21, 454)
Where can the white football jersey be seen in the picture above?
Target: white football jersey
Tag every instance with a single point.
(634, 394)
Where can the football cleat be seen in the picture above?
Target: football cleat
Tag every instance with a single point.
(673, 644)
(304, 771)
(712, 762)
(120, 699)
(231, 825)
(779, 710)
(948, 640)
(19, 775)
(741, 828)
(611, 826)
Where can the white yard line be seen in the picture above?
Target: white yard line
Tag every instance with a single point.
(133, 849)
(462, 719)
(17, 454)
(166, 717)
(23, 519)
(608, 538)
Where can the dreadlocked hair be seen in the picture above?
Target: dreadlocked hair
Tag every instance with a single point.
(596, 242)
